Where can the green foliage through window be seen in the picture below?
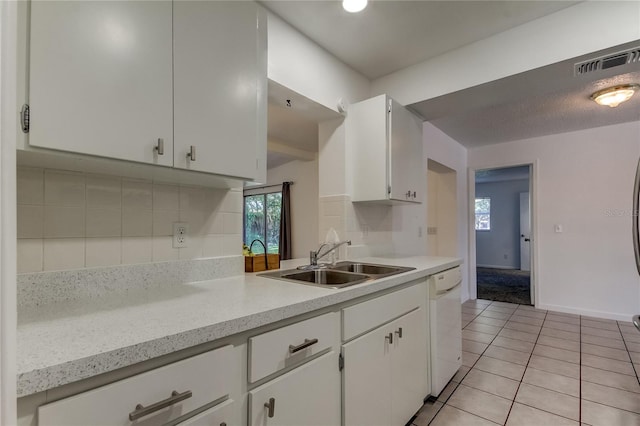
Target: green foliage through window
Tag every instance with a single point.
(483, 214)
(262, 221)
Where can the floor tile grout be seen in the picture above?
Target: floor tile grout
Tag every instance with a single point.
(532, 322)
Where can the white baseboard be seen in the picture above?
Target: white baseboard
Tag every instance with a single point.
(496, 267)
(586, 312)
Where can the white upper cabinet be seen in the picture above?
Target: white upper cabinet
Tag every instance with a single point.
(384, 145)
(100, 78)
(115, 79)
(220, 79)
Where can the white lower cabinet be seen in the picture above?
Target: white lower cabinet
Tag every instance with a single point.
(308, 395)
(383, 384)
(224, 414)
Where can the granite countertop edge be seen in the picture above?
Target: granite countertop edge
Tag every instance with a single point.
(46, 375)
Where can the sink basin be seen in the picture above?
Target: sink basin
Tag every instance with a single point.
(369, 268)
(327, 277)
(343, 274)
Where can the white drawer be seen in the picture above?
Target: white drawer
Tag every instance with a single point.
(224, 414)
(290, 345)
(208, 377)
(368, 315)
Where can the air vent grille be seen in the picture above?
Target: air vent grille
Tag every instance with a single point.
(609, 61)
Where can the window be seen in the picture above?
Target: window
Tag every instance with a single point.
(483, 214)
(262, 221)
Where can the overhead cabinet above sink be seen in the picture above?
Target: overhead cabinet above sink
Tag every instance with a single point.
(179, 84)
(384, 152)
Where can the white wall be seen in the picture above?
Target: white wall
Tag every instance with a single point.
(304, 202)
(301, 65)
(568, 33)
(584, 182)
(503, 240)
(69, 220)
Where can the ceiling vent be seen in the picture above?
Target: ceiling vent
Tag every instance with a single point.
(608, 61)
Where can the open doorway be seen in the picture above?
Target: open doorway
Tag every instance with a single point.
(503, 234)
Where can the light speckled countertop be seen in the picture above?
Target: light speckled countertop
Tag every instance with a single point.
(67, 342)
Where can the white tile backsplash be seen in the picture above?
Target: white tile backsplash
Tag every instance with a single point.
(103, 252)
(30, 253)
(70, 220)
(137, 250)
(63, 253)
(64, 188)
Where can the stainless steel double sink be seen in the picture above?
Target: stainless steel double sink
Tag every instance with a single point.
(342, 274)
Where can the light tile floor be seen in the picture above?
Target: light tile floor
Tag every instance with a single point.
(525, 366)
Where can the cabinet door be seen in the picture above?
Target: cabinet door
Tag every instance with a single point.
(223, 414)
(407, 172)
(367, 379)
(408, 366)
(219, 77)
(308, 395)
(100, 78)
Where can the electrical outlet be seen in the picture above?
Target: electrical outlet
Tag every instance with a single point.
(180, 234)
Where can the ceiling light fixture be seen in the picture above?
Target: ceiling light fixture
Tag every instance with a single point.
(614, 96)
(353, 6)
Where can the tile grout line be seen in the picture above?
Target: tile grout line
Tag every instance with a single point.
(580, 374)
(525, 367)
(624, 342)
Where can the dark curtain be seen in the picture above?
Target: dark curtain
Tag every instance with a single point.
(285, 222)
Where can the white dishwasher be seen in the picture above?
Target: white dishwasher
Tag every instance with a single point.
(445, 327)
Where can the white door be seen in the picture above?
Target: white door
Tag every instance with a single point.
(100, 78)
(366, 379)
(525, 232)
(308, 395)
(217, 78)
(406, 172)
(408, 366)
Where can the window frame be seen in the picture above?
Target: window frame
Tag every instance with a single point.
(264, 195)
(488, 213)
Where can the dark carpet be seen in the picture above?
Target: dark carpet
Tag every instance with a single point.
(504, 285)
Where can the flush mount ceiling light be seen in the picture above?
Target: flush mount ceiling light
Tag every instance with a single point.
(614, 96)
(354, 6)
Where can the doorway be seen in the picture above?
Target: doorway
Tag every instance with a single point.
(503, 234)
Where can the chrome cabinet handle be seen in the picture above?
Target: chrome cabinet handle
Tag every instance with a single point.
(389, 337)
(636, 321)
(271, 405)
(159, 147)
(191, 155)
(307, 342)
(399, 332)
(175, 397)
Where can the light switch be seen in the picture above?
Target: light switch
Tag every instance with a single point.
(558, 229)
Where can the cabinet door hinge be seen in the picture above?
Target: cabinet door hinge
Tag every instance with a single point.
(25, 118)
(340, 362)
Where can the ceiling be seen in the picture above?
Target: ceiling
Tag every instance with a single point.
(544, 101)
(392, 34)
(292, 125)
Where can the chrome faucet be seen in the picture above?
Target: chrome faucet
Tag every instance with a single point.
(314, 256)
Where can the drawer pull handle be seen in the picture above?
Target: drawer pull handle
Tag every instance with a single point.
(306, 344)
(399, 332)
(271, 405)
(389, 337)
(160, 147)
(175, 397)
(191, 155)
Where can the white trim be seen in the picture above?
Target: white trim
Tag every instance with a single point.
(511, 268)
(533, 185)
(587, 312)
(8, 136)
